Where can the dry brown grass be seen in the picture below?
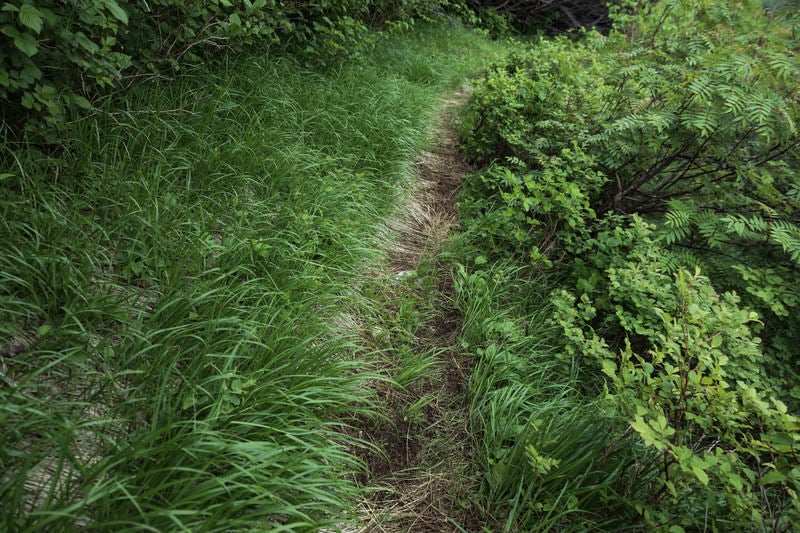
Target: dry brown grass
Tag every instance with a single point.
(423, 480)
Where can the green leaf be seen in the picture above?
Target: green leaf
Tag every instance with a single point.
(701, 474)
(779, 438)
(117, 11)
(773, 476)
(30, 73)
(81, 102)
(609, 368)
(30, 17)
(23, 41)
(647, 434)
(86, 43)
(188, 401)
(27, 100)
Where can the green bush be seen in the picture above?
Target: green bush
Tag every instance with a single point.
(58, 57)
(688, 120)
(686, 378)
(627, 165)
(52, 52)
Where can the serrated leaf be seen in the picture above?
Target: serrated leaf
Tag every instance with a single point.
(30, 73)
(646, 433)
(30, 17)
(780, 438)
(609, 368)
(27, 100)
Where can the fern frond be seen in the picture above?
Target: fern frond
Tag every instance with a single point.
(752, 228)
(711, 228)
(661, 120)
(733, 100)
(627, 123)
(787, 235)
(701, 119)
(703, 89)
(784, 66)
(678, 258)
(677, 222)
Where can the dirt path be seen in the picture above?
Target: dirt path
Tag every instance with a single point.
(424, 479)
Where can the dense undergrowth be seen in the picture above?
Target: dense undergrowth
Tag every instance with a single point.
(170, 280)
(179, 263)
(630, 274)
(58, 58)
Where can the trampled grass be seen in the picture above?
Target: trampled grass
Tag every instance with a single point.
(169, 283)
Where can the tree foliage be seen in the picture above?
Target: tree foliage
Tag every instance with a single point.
(656, 170)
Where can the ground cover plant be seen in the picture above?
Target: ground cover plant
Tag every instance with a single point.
(170, 281)
(648, 181)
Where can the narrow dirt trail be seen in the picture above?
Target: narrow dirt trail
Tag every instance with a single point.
(424, 480)
(425, 222)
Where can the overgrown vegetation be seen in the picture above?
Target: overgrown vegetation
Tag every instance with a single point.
(59, 58)
(170, 285)
(651, 175)
(190, 193)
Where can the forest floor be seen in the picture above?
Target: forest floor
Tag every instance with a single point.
(423, 476)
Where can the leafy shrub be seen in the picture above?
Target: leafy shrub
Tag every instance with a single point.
(687, 380)
(533, 104)
(57, 57)
(539, 208)
(693, 129)
(631, 163)
(51, 52)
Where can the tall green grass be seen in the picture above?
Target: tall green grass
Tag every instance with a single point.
(169, 280)
(549, 456)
